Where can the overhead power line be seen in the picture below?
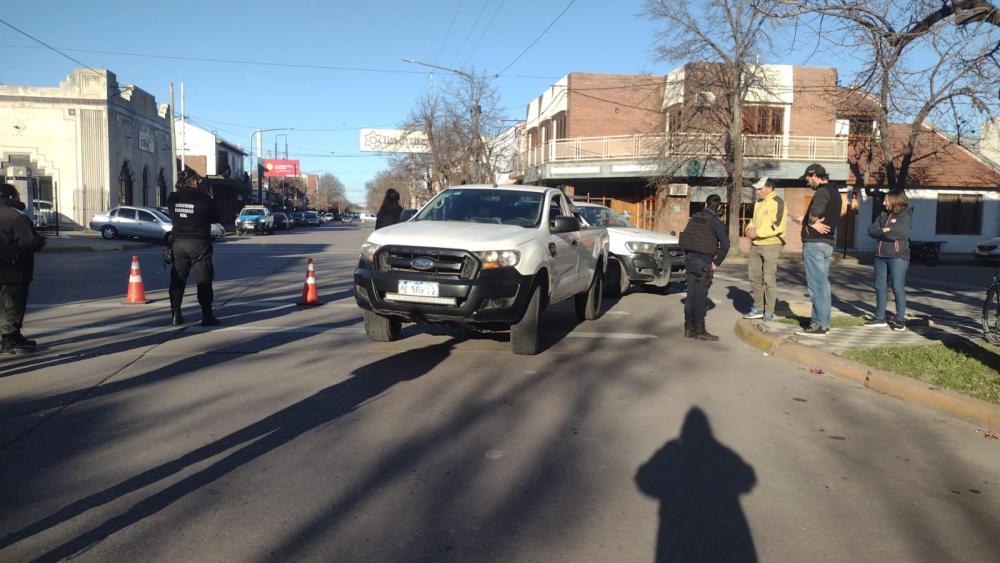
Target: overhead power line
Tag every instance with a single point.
(448, 34)
(540, 35)
(483, 33)
(241, 62)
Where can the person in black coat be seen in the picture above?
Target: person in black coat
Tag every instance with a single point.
(891, 231)
(706, 244)
(390, 211)
(193, 212)
(18, 244)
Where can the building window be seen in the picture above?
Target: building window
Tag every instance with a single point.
(959, 214)
(125, 185)
(161, 183)
(764, 120)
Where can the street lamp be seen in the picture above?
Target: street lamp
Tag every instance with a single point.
(260, 184)
(476, 110)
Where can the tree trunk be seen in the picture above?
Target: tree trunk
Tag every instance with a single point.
(735, 142)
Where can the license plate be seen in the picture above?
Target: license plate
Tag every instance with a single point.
(418, 288)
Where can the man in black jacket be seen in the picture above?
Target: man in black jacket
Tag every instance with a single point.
(193, 213)
(819, 232)
(706, 242)
(18, 244)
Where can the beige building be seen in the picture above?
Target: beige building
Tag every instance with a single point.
(89, 144)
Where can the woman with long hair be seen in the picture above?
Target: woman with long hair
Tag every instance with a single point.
(891, 231)
(389, 213)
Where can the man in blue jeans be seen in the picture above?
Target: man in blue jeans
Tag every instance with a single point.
(819, 231)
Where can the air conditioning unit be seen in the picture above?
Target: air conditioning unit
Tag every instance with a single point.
(704, 99)
(677, 190)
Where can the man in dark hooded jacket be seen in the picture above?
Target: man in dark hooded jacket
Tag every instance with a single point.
(18, 244)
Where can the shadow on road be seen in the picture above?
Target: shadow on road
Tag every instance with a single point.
(698, 482)
(247, 444)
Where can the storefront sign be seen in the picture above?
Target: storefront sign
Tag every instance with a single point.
(281, 167)
(146, 143)
(394, 140)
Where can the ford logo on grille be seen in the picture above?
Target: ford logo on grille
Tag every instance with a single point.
(422, 263)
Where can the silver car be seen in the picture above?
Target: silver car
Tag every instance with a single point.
(139, 222)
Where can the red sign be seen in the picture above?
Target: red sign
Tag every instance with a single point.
(281, 167)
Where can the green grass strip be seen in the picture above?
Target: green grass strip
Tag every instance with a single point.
(969, 368)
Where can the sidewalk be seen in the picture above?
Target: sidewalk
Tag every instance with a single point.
(85, 241)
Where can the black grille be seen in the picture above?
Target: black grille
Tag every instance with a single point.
(456, 263)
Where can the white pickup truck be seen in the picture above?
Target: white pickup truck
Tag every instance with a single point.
(489, 257)
(636, 256)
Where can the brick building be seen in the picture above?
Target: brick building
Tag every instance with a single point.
(651, 146)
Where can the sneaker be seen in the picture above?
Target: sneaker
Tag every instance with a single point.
(813, 331)
(12, 346)
(768, 318)
(876, 322)
(754, 313)
(896, 325)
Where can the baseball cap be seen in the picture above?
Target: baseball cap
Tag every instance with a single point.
(760, 183)
(816, 169)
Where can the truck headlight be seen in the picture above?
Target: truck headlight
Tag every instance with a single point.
(368, 251)
(637, 247)
(493, 259)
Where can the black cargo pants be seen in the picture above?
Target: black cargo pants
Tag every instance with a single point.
(13, 304)
(192, 257)
(699, 280)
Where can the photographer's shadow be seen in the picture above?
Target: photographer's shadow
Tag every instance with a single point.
(698, 482)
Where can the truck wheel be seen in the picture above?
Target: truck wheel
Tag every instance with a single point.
(616, 282)
(381, 329)
(524, 334)
(588, 303)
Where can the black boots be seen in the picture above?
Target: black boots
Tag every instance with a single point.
(697, 331)
(208, 319)
(176, 318)
(16, 343)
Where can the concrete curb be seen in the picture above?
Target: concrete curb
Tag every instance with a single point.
(90, 248)
(885, 382)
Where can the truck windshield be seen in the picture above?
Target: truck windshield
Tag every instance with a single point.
(602, 217)
(500, 206)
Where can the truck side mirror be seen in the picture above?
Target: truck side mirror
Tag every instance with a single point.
(564, 224)
(406, 214)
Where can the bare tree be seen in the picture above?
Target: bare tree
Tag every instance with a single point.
(729, 36)
(330, 192)
(463, 124)
(924, 62)
(398, 177)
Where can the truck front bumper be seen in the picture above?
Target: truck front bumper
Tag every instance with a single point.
(662, 268)
(493, 299)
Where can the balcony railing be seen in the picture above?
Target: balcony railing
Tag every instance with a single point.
(685, 145)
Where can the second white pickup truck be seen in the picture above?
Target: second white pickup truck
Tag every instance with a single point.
(489, 257)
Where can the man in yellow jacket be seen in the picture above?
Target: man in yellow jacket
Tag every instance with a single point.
(766, 232)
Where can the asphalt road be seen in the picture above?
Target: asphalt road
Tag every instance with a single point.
(285, 435)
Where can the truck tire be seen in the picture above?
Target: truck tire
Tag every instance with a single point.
(524, 334)
(381, 329)
(588, 303)
(616, 282)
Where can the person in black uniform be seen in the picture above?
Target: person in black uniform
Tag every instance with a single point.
(707, 244)
(18, 244)
(193, 213)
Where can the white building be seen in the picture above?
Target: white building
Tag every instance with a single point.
(89, 143)
(207, 153)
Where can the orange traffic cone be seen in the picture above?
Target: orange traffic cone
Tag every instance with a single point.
(310, 295)
(136, 292)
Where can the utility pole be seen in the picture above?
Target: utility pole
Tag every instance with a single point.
(173, 142)
(183, 129)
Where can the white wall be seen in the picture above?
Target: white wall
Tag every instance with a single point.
(924, 203)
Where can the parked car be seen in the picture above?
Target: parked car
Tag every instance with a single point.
(312, 219)
(137, 222)
(282, 222)
(330, 217)
(218, 230)
(44, 213)
(988, 249)
(348, 218)
(255, 219)
(366, 217)
(635, 255)
(482, 256)
(298, 218)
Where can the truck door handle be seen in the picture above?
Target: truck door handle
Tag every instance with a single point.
(552, 249)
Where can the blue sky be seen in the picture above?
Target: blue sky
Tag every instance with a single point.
(592, 36)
